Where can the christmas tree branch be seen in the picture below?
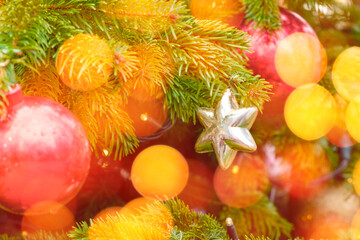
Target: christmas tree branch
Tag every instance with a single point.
(263, 14)
(192, 225)
(262, 216)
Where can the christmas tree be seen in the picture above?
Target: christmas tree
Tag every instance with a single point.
(179, 119)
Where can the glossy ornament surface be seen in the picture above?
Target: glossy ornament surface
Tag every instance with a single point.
(352, 119)
(84, 62)
(310, 111)
(297, 167)
(44, 152)
(55, 217)
(107, 212)
(300, 59)
(339, 135)
(159, 172)
(264, 45)
(226, 129)
(199, 191)
(148, 115)
(346, 73)
(243, 183)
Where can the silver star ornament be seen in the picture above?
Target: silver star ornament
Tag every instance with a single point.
(226, 129)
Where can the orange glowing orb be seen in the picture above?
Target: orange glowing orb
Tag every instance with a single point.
(136, 206)
(339, 135)
(110, 211)
(84, 62)
(243, 183)
(300, 59)
(148, 116)
(346, 74)
(159, 172)
(310, 111)
(55, 218)
(352, 119)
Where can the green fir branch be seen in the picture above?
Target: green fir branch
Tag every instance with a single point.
(6, 237)
(252, 237)
(187, 94)
(80, 232)
(264, 14)
(261, 217)
(191, 225)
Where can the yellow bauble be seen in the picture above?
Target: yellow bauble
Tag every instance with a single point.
(356, 178)
(352, 119)
(159, 172)
(300, 59)
(310, 111)
(346, 73)
(84, 62)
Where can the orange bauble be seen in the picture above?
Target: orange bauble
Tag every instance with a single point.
(135, 206)
(228, 11)
(297, 166)
(159, 172)
(339, 135)
(84, 62)
(55, 218)
(148, 113)
(108, 212)
(300, 59)
(243, 183)
(199, 191)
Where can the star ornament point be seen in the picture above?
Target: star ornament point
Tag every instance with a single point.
(226, 129)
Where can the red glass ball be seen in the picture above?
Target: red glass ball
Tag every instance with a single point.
(264, 45)
(243, 183)
(44, 153)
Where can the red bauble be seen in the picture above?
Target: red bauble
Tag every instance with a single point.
(264, 45)
(273, 112)
(298, 168)
(44, 152)
(199, 191)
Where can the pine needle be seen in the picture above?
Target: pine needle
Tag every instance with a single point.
(264, 14)
(261, 217)
(107, 126)
(43, 82)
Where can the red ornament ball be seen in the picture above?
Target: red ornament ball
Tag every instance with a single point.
(44, 152)
(199, 191)
(243, 183)
(297, 168)
(264, 45)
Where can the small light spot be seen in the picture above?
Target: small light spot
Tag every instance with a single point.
(144, 117)
(235, 169)
(105, 152)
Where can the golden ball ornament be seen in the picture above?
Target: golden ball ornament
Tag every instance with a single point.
(352, 119)
(310, 111)
(84, 62)
(159, 172)
(346, 73)
(339, 135)
(356, 178)
(300, 59)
